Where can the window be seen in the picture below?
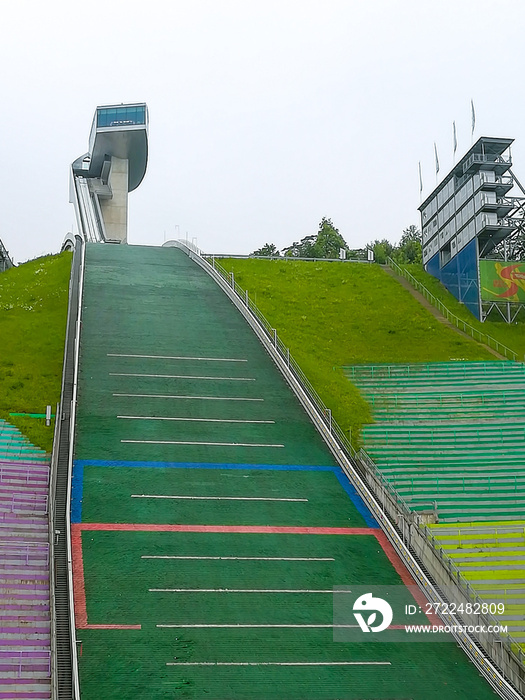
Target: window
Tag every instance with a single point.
(120, 116)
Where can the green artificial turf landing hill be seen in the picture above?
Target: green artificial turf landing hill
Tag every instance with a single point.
(33, 312)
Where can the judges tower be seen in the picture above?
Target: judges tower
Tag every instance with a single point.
(114, 166)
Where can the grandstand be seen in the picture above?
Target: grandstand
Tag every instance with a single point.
(491, 557)
(450, 438)
(449, 434)
(25, 622)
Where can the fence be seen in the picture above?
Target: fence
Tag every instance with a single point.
(24, 503)
(458, 322)
(25, 663)
(27, 553)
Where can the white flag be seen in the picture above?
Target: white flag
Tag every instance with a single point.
(420, 179)
(437, 159)
(455, 137)
(473, 116)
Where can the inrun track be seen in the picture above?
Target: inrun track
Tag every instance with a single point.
(151, 312)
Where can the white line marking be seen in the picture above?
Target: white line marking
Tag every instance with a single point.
(170, 357)
(243, 590)
(181, 376)
(187, 442)
(279, 663)
(173, 396)
(222, 498)
(198, 420)
(163, 556)
(258, 626)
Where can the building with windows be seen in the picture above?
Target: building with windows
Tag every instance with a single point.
(468, 216)
(114, 166)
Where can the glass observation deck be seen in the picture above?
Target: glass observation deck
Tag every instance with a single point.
(129, 115)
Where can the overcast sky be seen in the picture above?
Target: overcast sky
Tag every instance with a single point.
(264, 116)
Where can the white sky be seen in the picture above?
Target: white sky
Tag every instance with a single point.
(265, 116)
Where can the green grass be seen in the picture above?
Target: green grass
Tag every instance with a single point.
(337, 314)
(512, 335)
(33, 311)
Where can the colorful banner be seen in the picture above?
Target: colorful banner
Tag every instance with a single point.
(502, 281)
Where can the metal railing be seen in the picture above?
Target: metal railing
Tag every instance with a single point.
(8, 473)
(383, 491)
(435, 370)
(30, 552)
(25, 662)
(486, 158)
(27, 503)
(447, 483)
(451, 401)
(86, 204)
(441, 436)
(284, 351)
(458, 322)
(64, 677)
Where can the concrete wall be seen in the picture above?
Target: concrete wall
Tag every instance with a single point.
(115, 210)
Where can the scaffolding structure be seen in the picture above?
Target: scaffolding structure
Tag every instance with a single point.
(470, 219)
(5, 260)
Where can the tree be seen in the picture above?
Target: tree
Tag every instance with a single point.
(409, 249)
(325, 244)
(382, 250)
(301, 249)
(268, 250)
(329, 241)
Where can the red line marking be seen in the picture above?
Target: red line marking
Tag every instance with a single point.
(78, 566)
(405, 575)
(112, 627)
(247, 529)
(79, 588)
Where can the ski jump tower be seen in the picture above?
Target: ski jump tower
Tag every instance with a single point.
(114, 166)
(471, 230)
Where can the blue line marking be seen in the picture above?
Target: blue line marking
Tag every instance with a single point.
(201, 465)
(355, 498)
(78, 479)
(77, 487)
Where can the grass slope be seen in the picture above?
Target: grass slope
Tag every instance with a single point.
(33, 311)
(336, 314)
(512, 335)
